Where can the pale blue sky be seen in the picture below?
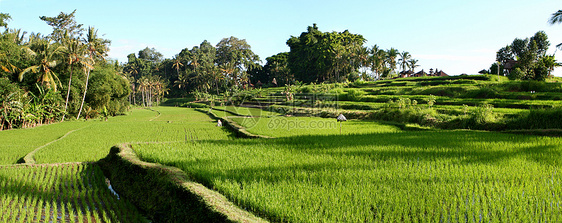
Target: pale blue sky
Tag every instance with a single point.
(455, 36)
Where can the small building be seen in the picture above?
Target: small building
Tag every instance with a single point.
(420, 74)
(510, 65)
(406, 73)
(440, 74)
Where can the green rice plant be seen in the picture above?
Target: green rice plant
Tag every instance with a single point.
(292, 126)
(389, 176)
(59, 196)
(173, 125)
(18, 142)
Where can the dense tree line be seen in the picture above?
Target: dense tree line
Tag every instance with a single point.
(47, 78)
(231, 65)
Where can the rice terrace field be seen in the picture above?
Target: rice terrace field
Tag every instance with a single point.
(335, 124)
(297, 167)
(371, 172)
(380, 174)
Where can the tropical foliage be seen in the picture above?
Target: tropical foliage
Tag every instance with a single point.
(45, 78)
(526, 58)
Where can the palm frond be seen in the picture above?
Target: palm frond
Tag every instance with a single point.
(26, 70)
(556, 18)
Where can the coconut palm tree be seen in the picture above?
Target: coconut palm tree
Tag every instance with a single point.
(391, 55)
(75, 52)
(413, 63)
(44, 53)
(377, 60)
(554, 19)
(177, 64)
(97, 49)
(404, 57)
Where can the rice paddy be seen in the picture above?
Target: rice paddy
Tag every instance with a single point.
(72, 192)
(354, 171)
(424, 176)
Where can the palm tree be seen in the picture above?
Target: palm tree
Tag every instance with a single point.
(177, 64)
(75, 54)
(44, 53)
(182, 81)
(97, 48)
(413, 63)
(377, 60)
(391, 58)
(404, 57)
(556, 18)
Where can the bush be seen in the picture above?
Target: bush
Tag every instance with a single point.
(483, 114)
(485, 92)
(516, 74)
(353, 95)
(544, 118)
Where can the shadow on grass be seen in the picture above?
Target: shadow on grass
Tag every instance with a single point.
(471, 146)
(316, 157)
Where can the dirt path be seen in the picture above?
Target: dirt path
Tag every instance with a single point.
(29, 159)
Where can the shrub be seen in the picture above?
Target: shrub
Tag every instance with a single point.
(353, 95)
(485, 92)
(516, 74)
(483, 114)
(544, 118)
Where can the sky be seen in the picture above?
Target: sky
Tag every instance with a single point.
(450, 35)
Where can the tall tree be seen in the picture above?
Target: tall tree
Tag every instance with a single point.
(541, 40)
(377, 60)
(75, 52)
(236, 53)
(64, 25)
(413, 63)
(97, 50)
(177, 64)
(556, 18)
(316, 56)
(391, 56)
(307, 57)
(4, 18)
(150, 54)
(403, 60)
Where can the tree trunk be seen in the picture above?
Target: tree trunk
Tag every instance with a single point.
(84, 96)
(134, 95)
(67, 94)
(142, 94)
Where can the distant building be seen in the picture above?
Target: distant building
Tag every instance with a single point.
(440, 74)
(510, 65)
(420, 74)
(406, 73)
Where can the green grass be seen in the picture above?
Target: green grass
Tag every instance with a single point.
(93, 142)
(429, 176)
(60, 193)
(245, 111)
(282, 126)
(92, 139)
(17, 143)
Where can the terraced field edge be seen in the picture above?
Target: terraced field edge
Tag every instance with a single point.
(238, 130)
(166, 194)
